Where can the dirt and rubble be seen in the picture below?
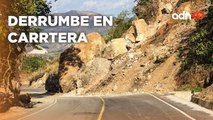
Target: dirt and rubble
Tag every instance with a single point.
(145, 59)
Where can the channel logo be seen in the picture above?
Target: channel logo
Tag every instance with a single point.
(199, 15)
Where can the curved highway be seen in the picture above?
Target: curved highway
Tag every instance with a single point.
(130, 107)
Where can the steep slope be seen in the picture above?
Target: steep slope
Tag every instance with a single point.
(145, 59)
(152, 68)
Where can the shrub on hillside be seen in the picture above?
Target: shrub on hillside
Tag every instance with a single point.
(146, 9)
(200, 45)
(197, 55)
(122, 24)
(31, 64)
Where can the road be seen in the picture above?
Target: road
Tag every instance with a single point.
(130, 107)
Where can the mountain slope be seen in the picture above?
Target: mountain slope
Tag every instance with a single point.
(56, 48)
(102, 30)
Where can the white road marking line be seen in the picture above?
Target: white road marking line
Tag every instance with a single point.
(55, 101)
(182, 112)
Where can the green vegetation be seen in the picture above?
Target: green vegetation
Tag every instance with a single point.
(146, 9)
(197, 55)
(11, 55)
(188, 87)
(51, 67)
(200, 45)
(31, 64)
(30, 8)
(184, 22)
(123, 23)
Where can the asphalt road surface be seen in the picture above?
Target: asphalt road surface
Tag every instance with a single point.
(132, 107)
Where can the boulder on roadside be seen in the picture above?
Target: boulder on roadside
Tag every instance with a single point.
(115, 48)
(93, 48)
(72, 59)
(52, 83)
(25, 98)
(69, 65)
(94, 71)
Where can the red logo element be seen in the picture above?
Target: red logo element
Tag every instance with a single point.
(199, 15)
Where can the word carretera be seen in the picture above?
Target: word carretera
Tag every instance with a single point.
(53, 21)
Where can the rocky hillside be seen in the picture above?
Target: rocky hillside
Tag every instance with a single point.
(146, 58)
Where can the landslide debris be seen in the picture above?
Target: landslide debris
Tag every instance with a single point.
(145, 59)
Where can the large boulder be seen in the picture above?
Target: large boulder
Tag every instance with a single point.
(93, 48)
(52, 84)
(72, 59)
(24, 98)
(95, 70)
(130, 37)
(69, 65)
(115, 48)
(141, 28)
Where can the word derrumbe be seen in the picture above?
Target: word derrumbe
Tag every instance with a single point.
(59, 21)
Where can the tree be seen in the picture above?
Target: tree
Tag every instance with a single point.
(11, 54)
(197, 53)
(122, 23)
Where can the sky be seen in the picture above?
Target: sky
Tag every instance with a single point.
(107, 7)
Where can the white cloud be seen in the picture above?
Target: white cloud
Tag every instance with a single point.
(112, 7)
(90, 3)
